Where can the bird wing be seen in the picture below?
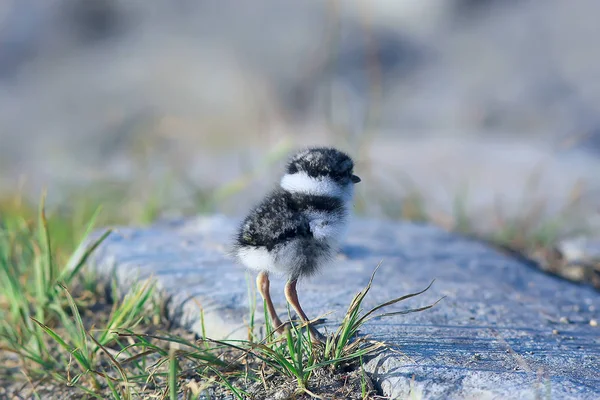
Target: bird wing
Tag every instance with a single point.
(273, 222)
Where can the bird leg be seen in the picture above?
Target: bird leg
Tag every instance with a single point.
(262, 282)
(292, 297)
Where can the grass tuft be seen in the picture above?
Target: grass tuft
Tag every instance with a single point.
(343, 345)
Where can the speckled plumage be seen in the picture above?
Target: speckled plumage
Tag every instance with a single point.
(297, 227)
(283, 220)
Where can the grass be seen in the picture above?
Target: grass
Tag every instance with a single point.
(63, 335)
(40, 317)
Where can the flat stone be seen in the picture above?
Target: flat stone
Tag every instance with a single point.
(504, 330)
(580, 249)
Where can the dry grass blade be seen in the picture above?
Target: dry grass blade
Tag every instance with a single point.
(357, 300)
(412, 310)
(138, 356)
(201, 352)
(365, 317)
(117, 365)
(311, 394)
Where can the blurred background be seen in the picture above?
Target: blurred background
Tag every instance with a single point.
(478, 115)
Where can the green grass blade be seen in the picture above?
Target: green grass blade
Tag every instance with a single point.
(82, 360)
(45, 240)
(173, 376)
(68, 275)
(238, 393)
(55, 336)
(81, 333)
(113, 390)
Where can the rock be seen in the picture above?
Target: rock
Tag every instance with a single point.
(497, 334)
(580, 249)
(581, 256)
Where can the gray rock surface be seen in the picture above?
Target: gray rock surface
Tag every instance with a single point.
(504, 330)
(580, 249)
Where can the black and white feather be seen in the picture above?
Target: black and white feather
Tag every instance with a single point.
(297, 228)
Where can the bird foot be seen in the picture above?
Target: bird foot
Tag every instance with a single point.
(313, 322)
(315, 335)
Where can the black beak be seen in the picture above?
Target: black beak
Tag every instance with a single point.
(355, 179)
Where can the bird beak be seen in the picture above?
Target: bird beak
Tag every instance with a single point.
(355, 179)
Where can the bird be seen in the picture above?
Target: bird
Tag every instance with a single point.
(297, 228)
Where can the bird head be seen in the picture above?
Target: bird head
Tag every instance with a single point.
(321, 171)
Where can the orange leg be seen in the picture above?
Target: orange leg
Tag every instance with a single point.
(292, 297)
(262, 282)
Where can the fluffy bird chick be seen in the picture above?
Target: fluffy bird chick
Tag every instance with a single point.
(297, 228)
